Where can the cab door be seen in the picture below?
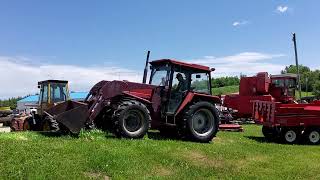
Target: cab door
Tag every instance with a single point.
(179, 88)
(43, 98)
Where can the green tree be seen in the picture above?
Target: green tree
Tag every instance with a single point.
(11, 102)
(308, 77)
(225, 81)
(316, 89)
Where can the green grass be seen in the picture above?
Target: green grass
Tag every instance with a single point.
(96, 155)
(225, 90)
(303, 94)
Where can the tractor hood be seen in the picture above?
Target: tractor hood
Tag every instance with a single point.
(109, 89)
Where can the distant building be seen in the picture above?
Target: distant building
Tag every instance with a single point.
(31, 102)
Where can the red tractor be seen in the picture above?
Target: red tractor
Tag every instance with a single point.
(178, 96)
(273, 88)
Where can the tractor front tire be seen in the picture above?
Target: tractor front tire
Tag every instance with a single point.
(131, 119)
(200, 122)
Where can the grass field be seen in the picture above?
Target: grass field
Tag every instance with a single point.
(225, 90)
(96, 155)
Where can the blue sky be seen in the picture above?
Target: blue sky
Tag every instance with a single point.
(110, 38)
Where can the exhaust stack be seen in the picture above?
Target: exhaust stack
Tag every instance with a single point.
(145, 73)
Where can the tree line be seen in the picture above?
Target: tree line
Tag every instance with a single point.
(310, 79)
(11, 102)
(225, 81)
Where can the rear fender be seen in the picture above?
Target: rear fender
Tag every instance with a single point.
(191, 97)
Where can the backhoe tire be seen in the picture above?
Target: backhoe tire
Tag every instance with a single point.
(131, 119)
(200, 122)
(50, 124)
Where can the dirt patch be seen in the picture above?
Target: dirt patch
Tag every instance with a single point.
(93, 175)
(162, 171)
(200, 159)
(22, 138)
(223, 141)
(239, 164)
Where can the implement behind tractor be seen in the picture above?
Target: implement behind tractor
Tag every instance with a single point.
(178, 98)
(262, 87)
(289, 122)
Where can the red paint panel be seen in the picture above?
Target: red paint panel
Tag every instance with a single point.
(187, 100)
(176, 62)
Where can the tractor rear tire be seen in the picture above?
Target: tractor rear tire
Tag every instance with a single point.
(312, 136)
(131, 119)
(200, 122)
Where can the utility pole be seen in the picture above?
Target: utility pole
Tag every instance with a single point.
(307, 86)
(297, 63)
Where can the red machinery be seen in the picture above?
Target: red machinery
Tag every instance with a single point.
(289, 122)
(177, 97)
(276, 88)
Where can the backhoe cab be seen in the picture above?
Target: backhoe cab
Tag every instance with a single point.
(52, 92)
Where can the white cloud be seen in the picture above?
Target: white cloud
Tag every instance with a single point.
(19, 78)
(282, 9)
(248, 63)
(239, 23)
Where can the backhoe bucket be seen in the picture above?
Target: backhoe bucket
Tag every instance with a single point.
(72, 114)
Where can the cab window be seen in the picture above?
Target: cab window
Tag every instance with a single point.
(58, 92)
(44, 93)
(278, 82)
(200, 82)
(160, 76)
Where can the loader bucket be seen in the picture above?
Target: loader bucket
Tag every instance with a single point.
(72, 114)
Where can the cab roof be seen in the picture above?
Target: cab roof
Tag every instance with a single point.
(180, 63)
(288, 75)
(52, 81)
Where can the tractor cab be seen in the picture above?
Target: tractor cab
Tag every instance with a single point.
(177, 79)
(51, 93)
(283, 87)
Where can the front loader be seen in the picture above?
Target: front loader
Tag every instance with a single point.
(178, 97)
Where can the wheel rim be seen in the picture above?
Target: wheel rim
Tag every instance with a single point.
(202, 122)
(290, 136)
(133, 121)
(314, 137)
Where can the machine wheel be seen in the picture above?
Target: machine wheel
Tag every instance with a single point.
(131, 119)
(313, 136)
(200, 122)
(290, 136)
(50, 124)
(26, 125)
(269, 133)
